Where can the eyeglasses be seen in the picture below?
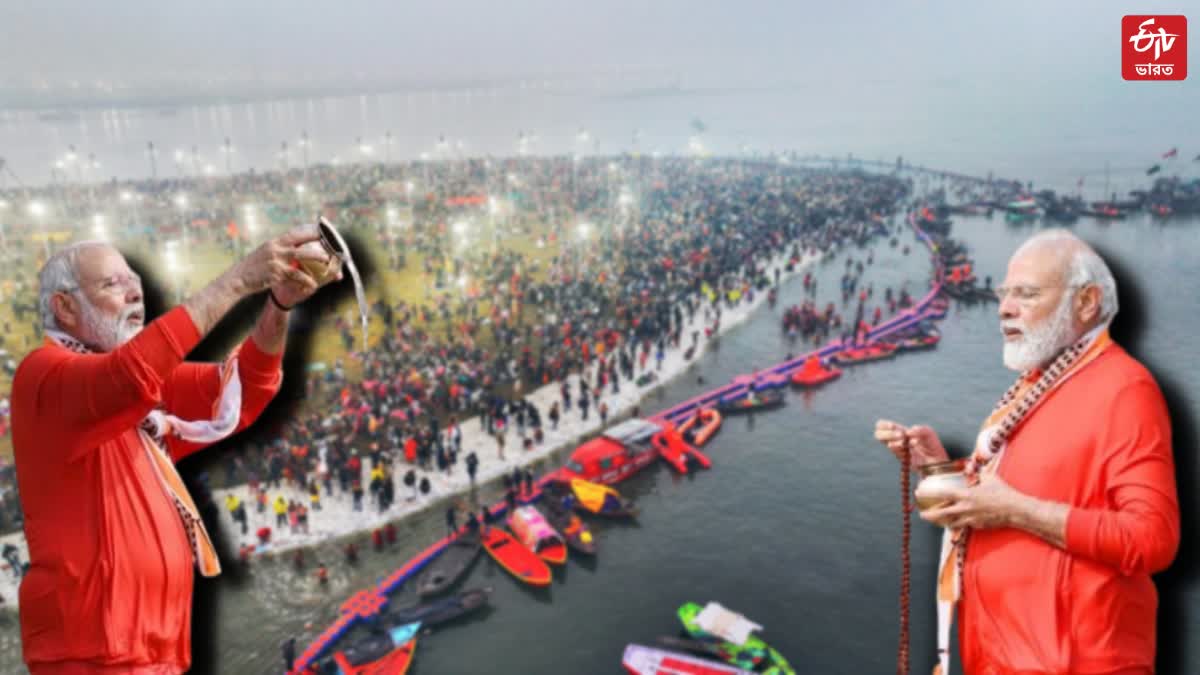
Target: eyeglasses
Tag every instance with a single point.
(117, 283)
(1026, 295)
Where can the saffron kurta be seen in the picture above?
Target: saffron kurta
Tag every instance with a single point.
(1101, 443)
(110, 580)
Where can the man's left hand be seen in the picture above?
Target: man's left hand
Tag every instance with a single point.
(989, 504)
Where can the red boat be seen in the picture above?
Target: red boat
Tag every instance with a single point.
(531, 529)
(620, 452)
(515, 557)
(813, 374)
(676, 451)
(871, 352)
(640, 660)
(919, 342)
(701, 425)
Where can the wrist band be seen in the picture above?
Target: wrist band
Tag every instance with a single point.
(275, 301)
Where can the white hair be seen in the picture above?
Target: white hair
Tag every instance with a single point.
(60, 275)
(1085, 267)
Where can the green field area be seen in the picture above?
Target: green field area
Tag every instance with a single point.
(200, 262)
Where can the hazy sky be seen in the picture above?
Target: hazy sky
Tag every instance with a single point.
(441, 40)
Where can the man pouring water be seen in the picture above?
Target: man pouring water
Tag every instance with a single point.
(101, 413)
(1069, 503)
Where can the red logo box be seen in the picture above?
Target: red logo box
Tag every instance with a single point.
(1154, 47)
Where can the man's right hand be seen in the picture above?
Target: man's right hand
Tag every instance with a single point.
(923, 442)
(271, 263)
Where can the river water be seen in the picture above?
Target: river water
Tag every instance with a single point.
(797, 525)
(1054, 132)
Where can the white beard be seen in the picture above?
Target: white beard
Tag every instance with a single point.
(1038, 346)
(104, 333)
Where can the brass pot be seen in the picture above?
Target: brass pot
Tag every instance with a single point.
(936, 480)
(329, 247)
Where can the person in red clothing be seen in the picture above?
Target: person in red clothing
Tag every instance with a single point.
(102, 412)
(1071, 502)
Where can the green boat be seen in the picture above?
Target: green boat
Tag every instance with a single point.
(751, 654)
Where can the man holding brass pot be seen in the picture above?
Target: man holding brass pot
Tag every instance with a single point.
(101, 413)
(1067, 505)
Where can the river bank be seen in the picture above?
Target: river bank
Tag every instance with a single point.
(337, 517)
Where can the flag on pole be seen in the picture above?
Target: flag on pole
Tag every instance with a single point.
(1170, 153)
(1080, 183)
(1153, 170)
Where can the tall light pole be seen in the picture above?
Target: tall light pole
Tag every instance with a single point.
(128, 197)
(388, 142)
(92, 166)
(181, 201)
(71, 159)
(38, 211)
(228, 157)
(152, 156)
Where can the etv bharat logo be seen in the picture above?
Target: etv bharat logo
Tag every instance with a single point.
(1154, 47)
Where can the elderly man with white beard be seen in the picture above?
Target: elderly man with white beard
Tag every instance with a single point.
(1070, 504)
(101, 412)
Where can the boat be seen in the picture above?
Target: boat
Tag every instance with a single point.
(814, 374)
(1020, 216)
(387, 653)
(621, 451)
(751, 402)
(438, 612)
(514, 557)
(700, 427)
(872, 352)
(676, 451)
(450, 565)
(532, 530)
(918, 342)
(735, 635)
(1161, 210)
(709, 649)
(1062, 211)
(568, 523)
(641, 660)
(1104, 210)
(600, 500)
(762, 382)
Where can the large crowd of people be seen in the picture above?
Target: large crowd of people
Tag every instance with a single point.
(626, 248)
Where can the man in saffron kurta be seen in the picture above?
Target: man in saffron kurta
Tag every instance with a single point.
(112, 567)
(1074, 504)
(1102, 444)
(111, 550)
